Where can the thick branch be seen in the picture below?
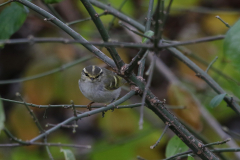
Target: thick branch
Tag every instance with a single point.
(168, 118)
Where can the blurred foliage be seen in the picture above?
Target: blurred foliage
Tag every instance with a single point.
(12, 18)
(190, 157)
(175, 146)
(116, 135)
(231, 45)
(217, 100)
(68, 154)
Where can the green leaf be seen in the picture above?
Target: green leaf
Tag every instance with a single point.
(231, 45)
(149, 34)
(190, 157)
(217, 100)
(68, 154)
(174, 146)
(12, 18)
(52, 1)
(2, 116)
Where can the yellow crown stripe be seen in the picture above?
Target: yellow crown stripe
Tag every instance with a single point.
(115, 79)
(84, 69)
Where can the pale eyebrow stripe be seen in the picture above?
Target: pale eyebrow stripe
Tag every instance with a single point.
(115, 78)
(84, 69)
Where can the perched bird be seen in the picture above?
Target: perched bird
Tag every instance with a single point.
(100, 85)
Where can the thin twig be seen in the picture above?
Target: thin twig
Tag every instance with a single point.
(145, 91)
(210, 65)
(135, 61)
(167, 13)
(199, 40)
(47, 148)
(157, 21)
(69, 31)
(225, 129)
(147, 28)
(220, 150)
(62, 126)
(161, 21)
(27, 143)
(32, 40)
(35, 119)
(5, 3)
(55, 13)
(59, 69)
(46, 144)
(218, 143)
(141, 64)
(203, 75)
(117, 14)
(187, 52)
(112, 21)
(85, 19)
(149, 16)
(165, 71)
(74, 109)
(67, 106)
(86, 114)
(134, 31)
(206, 10)
(103, 32)
(75, 115)
(164, 131)
(226, 24)
(188, 152)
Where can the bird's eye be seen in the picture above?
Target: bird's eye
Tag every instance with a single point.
(86, 74)
(97, 76)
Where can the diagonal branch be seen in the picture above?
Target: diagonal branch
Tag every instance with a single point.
(63, 67)
(68, 30)
(115, 12)
(103, 32)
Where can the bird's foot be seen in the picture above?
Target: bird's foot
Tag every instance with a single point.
(89, 106)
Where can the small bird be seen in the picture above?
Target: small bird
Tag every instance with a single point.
(100, 85)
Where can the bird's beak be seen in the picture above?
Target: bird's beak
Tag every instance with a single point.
(92, 79)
